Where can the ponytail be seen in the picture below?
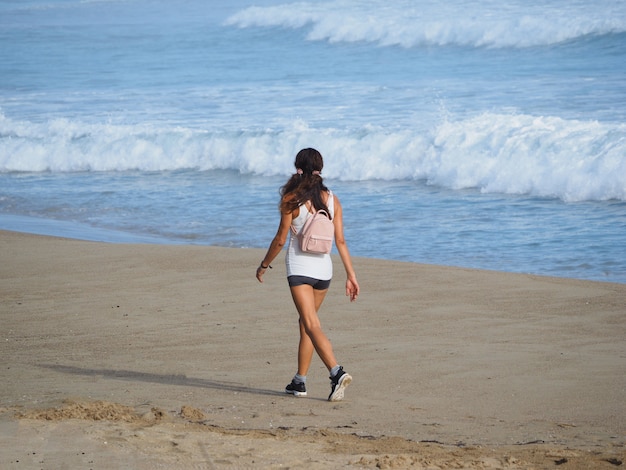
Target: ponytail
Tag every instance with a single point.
(306, 184)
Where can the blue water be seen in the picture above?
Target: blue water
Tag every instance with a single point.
(478, 134)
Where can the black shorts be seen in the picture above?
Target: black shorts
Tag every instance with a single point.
(317, 284)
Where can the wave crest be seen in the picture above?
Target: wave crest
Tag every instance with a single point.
(461, 23)
(514, 154)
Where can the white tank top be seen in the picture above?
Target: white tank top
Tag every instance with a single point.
(299, 263)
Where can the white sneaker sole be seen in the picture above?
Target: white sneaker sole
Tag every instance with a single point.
(338, 394)
(296, 394)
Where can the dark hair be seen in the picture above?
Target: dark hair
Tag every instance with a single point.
(306, 184)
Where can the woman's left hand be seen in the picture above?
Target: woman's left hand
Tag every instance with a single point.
(352, 289)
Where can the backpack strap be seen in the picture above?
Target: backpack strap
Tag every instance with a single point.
(330, 199)
(293, 229)
(328, 203)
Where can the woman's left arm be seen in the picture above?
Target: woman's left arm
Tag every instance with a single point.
(352, 285)
(277, 244)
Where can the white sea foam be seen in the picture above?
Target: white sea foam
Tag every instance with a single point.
(408, 23)
(517, 97)
(513, 154)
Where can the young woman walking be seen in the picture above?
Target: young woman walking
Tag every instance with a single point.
(309, 274)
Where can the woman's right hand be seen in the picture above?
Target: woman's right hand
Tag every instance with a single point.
(259, 273)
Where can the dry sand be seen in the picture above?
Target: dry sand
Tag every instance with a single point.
(147, 356)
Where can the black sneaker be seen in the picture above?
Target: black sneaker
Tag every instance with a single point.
(296, 389)
(338, 384)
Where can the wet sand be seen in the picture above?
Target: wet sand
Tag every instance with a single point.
(150, 356)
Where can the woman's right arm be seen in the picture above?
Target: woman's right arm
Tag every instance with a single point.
(277, 243)
(352, 285)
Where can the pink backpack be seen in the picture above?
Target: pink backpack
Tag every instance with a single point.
(317, 233)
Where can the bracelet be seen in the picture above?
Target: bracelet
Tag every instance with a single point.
(265, 267)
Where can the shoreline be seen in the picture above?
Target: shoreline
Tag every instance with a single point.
(446, 361)
(81, 232)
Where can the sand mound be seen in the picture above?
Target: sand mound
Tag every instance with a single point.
(100, 411)
(93, 411)
(192, 414)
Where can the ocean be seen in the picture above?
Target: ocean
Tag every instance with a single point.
(479, 134)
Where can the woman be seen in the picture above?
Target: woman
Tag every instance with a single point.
(309, 274)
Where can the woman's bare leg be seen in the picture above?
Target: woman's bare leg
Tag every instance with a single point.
(308, 301)
(305, 351)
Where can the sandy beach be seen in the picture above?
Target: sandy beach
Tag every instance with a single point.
(151, 356)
